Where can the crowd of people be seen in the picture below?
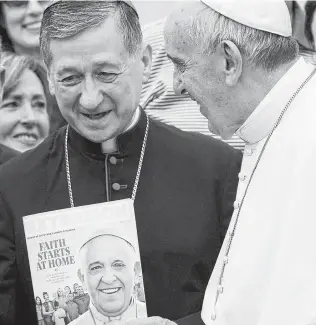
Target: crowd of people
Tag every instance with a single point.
(87, 93)
(19, 34)
(65, 306)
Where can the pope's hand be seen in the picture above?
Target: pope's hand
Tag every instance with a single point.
(145, 321)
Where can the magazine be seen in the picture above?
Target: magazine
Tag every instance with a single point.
(85, 264)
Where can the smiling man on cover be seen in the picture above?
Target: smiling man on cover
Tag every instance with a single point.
(108, 272)
(97, 63)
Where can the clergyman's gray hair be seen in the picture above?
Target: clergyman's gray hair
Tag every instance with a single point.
(66, 19)
(208, 28)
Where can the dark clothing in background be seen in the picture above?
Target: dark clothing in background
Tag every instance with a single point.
(56, 120)
(183, 207)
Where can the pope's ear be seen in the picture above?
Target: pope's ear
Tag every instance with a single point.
(147, 61)
(232, 62)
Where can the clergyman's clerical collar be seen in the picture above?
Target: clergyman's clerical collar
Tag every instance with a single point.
(130, 313)
(129, 143)
(110, 145)
(262, 120)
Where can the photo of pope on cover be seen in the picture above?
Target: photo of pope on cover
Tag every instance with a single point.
(85, 264)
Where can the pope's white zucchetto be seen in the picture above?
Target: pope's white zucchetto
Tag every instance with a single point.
(267, 15)
(119, 232)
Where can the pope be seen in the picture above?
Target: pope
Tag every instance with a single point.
(237, 59)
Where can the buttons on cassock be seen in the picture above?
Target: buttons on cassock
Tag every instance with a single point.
(117, 187)
(113, 160)
(242, 177)
(249, 152)
(236, 205)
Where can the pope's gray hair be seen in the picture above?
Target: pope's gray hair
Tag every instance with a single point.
(207, 29)
(66, 19)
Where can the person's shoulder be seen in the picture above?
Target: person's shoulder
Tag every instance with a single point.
(6, 154)
(191, 140)
(84, 319)
(29, 162)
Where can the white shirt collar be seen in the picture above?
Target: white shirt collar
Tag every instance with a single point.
(110, 145)
(134, 120)
(130, 313)
(260, 123)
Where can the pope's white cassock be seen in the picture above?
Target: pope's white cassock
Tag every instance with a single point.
(270, 275)
(136, 309)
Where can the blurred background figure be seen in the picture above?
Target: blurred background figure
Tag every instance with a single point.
(20, 23)
(304, 27)
(72, 308)
(67, 291)
(82, 299)
(310, 23)
(5, 152)
(59, 315)
(39, 311)
(61, 298)
(24, 120)
(75, 291)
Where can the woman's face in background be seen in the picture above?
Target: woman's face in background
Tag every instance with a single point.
(24, 121)
(22, 20)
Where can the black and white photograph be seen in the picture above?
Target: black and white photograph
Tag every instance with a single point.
(85, 264)
(157, 162)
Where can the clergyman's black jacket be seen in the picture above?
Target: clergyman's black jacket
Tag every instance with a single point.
(183, 206)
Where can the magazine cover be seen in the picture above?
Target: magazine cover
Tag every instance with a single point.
(85, 264)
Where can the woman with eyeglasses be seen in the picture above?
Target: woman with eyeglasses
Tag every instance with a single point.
(20, 23)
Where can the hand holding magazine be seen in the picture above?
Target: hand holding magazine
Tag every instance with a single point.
(85, 264)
